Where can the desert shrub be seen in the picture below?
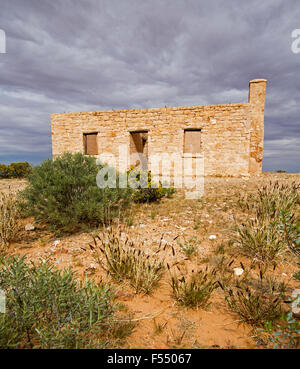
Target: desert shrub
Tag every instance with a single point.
(145, 188)
(15, 170)
(256, 302)
(261, 240)
(49, 308)
(64, 194)
(124, 260)
(8, 220)
(194, 290)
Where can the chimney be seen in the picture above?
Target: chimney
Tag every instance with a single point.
(257, 92)
(257, 95)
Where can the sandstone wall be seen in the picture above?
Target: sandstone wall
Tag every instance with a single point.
(231, 136)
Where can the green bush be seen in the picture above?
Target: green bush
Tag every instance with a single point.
(15, 170)
(48, 308)
(147, 190)
(64, 194)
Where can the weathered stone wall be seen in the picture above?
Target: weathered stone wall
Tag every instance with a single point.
(257, 93)
(232, 135)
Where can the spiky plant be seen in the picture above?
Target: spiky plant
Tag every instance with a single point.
(256, 303)
(194, 290)
(122, 259)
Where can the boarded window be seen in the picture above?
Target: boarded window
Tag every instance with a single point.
(192, 141)
(90, 144)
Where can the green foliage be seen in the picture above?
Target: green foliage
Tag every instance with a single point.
(285, 334)
(49, 308)
(64, 194)
(8, 220)
(145, 189)
(123, 260)
(195, 290)
(189, 246)
(15, 170)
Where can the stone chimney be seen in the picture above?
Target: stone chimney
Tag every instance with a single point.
(257, 95)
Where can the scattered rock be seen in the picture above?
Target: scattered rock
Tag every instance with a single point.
(29, 227)
(90, 269)
(238, 271)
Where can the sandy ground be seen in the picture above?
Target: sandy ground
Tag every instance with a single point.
(160, 321)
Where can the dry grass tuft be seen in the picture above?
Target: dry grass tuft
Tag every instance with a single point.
(194, 290)
(8, 220)
(122, 259)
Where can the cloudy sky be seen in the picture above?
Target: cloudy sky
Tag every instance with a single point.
(71, 55)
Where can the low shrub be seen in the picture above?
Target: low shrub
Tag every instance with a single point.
(145, 189)
(63, 193)
(124, 260)
(49, 308)
(8, 220)
(195, 290)
(15, 170)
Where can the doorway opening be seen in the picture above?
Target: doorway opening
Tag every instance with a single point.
(139, 149)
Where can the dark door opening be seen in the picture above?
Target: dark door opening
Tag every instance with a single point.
(139, 149)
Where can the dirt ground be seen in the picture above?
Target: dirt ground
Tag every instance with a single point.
(160, 321)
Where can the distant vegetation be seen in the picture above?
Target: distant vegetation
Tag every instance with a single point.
(15, 170)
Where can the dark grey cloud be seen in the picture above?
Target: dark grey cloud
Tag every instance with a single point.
(71, 55)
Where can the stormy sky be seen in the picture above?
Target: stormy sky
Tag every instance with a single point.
(71, 55)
